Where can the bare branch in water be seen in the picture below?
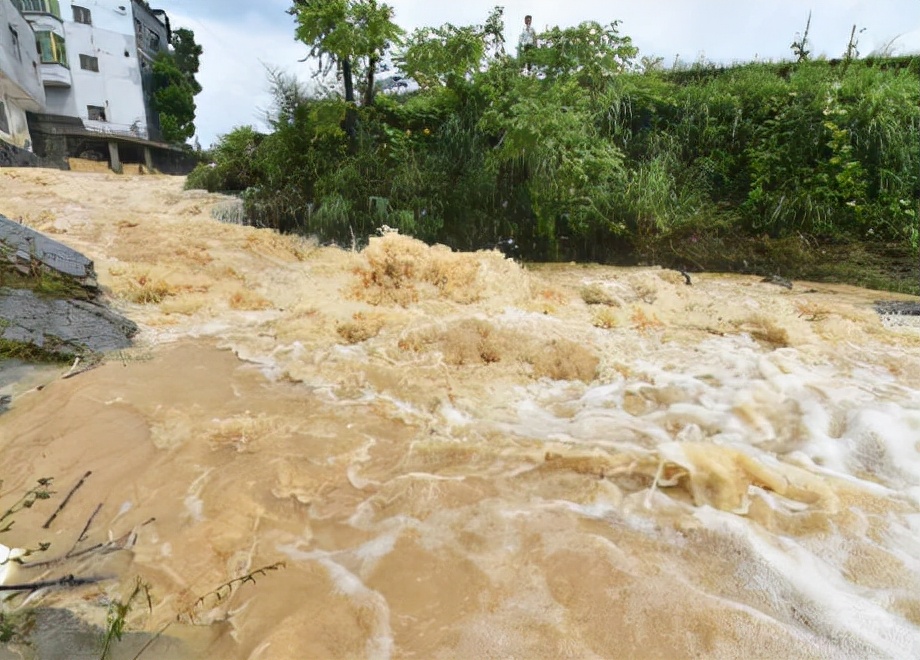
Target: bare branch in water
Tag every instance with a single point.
(66, 581)
(226, 589)
(66, 500)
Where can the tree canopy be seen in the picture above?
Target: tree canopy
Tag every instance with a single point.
(175, 87)
(188, 55)
(352, 35)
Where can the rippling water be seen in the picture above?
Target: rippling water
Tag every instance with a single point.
(457, 457)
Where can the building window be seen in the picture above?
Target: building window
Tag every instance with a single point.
(4, 123)
(82, 15)
(14, 35)
(153, 41)
(95, 112)
(51, 48)
(39, 6)
(89, 63)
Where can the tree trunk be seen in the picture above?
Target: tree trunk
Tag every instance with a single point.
(349, 81)
(351, 114)
(369, 90)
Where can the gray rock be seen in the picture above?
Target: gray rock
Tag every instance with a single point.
(898, 307)
(62, 326)
(778, 281)
(25, 249)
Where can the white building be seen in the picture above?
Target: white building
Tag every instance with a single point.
(21, 88)
(95, 56)
(84, 73)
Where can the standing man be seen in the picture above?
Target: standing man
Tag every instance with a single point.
(527, 42)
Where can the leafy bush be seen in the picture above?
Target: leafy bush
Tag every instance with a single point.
(586, 154)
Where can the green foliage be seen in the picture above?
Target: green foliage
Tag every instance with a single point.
(345, 29)
(443, 56)
(28, 352)
(41, 491)
(187, 55)
(350, 34)
(590, 53)
(823, 155)
(451, 55)
(173, 99)
(233, 167)
(117, 614)
(589, 152)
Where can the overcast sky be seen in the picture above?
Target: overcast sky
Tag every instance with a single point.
(241, 37)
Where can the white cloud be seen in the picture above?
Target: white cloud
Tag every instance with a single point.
(233, 76)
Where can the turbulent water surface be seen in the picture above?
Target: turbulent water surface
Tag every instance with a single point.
(455, 457)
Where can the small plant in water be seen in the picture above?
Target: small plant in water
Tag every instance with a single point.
(118, 612)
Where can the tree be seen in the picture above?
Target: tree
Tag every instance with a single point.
(188, 55)
(352, 35)
(173, 99)
(175, 86)
(450, 55)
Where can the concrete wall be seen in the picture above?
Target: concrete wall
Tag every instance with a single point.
(116, 86)
(105, 14)
(60, 101)
(152, 36)
(20, 83)
(117, 36)
(17, 132)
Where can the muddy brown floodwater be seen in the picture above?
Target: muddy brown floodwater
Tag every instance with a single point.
(456, 457)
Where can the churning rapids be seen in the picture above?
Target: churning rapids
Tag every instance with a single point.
(456, 457)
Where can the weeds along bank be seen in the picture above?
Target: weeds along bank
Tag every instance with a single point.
(593, 156)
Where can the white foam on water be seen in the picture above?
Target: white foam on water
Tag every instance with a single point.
(881, 439)
(453, 416)
(125, 507)
(845, 420)
(596, 511)
(913, 494)
(194, 505)
(846, 614)
(8, 564)
(380, 643)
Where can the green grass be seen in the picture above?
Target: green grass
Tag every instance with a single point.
(26, 352)
(45, 283)
(872, 265)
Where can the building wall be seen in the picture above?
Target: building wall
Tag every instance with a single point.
(108, 87)
(53, 74)
(116, 86)
(151, 37)
(60, 101)
(20, 82)
(16, 127)
(112, 15)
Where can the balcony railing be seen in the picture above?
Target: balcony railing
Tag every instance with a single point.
(52, 7)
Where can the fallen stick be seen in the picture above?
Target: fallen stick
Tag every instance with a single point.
(66, 500)
(66, 581)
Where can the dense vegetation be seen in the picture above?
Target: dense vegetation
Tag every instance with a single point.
(175, 87)
(592, 155)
